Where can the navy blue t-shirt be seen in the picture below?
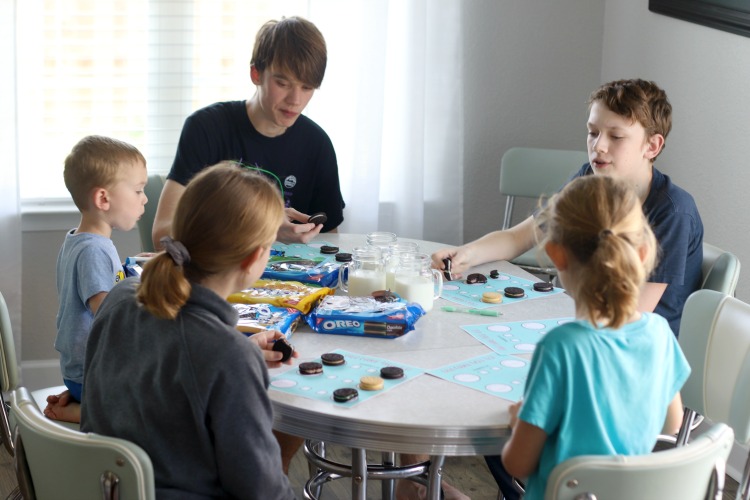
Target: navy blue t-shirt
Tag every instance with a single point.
(302, 158)
(678, 228)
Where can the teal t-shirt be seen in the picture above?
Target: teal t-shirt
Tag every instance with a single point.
(601, 391)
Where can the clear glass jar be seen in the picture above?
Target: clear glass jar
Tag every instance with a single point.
(416, 281)
(364, 274)
(395, 250)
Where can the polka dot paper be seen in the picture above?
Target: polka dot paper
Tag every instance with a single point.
(517, 337)
(500, 375)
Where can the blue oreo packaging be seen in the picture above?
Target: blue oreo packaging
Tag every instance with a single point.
(302, 263)
(364, 316)
(255, 318)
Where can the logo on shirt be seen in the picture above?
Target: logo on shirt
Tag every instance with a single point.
(290, 182)
(119, 276)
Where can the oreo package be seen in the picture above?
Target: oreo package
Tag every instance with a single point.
(256, 318)
(364, 316)
(317, 270)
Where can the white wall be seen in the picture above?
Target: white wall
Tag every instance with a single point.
(529, 68)
(705, 73)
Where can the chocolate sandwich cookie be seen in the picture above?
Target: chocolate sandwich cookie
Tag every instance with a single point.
(494, 274)
(345, 394)
(371, 383)
(492, 297)
(384, 296)
(476, 279)
(329, 249)
(343, 257)
(318, 218)
(391, 372)
(332, 358)
(543, 286)
(447, 263)
(284, 347)
(375, 328)
(514, 292)
(310, 368)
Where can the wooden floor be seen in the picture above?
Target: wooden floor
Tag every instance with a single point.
(469, 474)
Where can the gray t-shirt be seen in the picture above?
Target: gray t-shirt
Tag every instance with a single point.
(86, 265)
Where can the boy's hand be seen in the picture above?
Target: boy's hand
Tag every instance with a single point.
(265, 341)
(297, 233)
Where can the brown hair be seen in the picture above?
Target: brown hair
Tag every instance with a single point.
(638, 100)
(226, 213)
(95, 162)
(293, 45)
(600, 222)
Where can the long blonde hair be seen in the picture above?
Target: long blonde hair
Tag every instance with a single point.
(600, 222)
(225, 214)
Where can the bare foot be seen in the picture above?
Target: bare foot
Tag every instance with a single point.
(63, 407)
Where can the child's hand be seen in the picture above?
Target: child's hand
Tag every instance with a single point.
(513, 411)
(459, 261)
(265, 341)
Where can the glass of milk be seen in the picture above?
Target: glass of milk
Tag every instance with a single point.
(416, 281)
(364, 274)
(395, 250)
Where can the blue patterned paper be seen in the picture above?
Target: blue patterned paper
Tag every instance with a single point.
(513, 337)
(356, 366)
(460, 292)
(501, 375)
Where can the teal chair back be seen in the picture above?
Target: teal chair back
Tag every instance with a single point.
(153, 192)
(535, 173)
(720, 270)
(64, 463)
(692, 472)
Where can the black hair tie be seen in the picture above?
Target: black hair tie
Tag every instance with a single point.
(176, 250)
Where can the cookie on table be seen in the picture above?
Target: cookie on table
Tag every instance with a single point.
(514, 292)
(345, 394)
(391, 372)
(543, 286)
(371, 383)
(310, 368)
(332, 359)
(476, 279)
(492, 297)
(329, 249)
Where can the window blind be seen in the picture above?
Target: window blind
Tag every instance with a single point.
(130, 69)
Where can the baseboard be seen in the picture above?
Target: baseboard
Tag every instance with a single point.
(39, 374)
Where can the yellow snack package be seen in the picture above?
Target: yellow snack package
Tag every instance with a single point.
(282, 294)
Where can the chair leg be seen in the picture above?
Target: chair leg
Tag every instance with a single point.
(743, 493)
(6, 430)
(687, 423)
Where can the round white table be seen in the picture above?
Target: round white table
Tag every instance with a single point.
(426, 415)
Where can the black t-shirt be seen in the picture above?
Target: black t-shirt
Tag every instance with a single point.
(302, 158)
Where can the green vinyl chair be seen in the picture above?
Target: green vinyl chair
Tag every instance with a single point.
(720, 270)
(535, 173)
(56, 462)
(145, 224)
(692, 472)
(9, 378)
(715, 337)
